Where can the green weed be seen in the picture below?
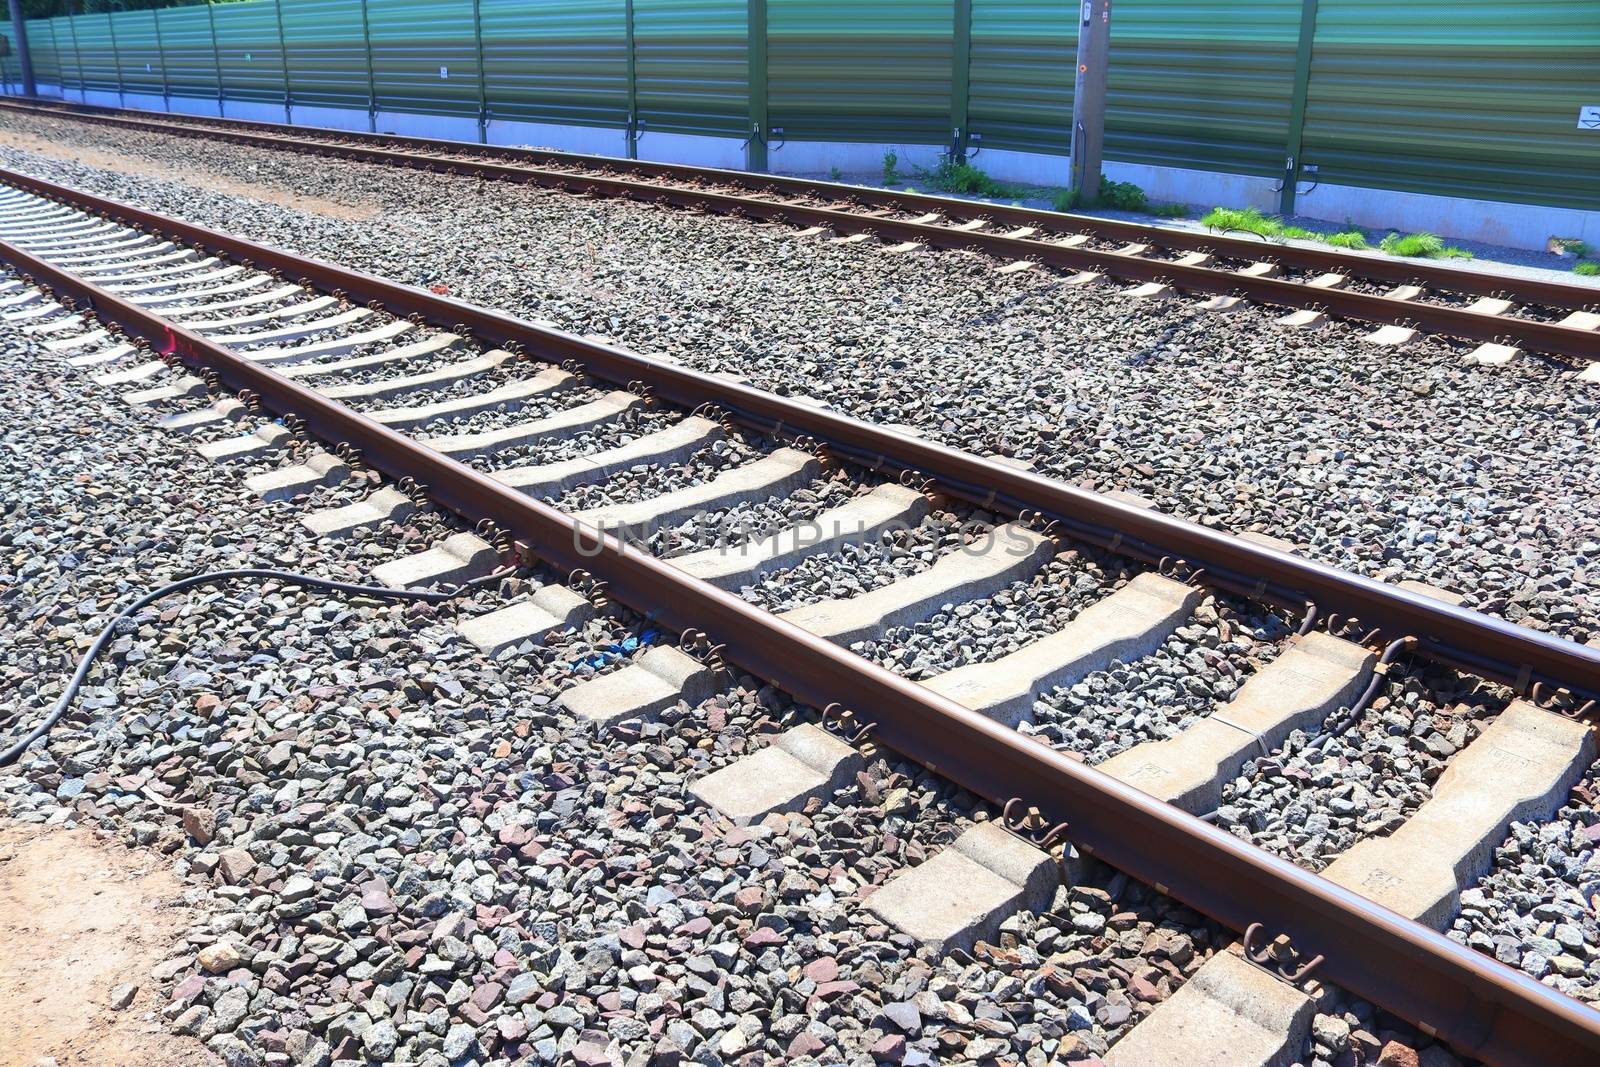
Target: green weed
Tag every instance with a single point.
(890, 175)
(1248, 220)
(1170, 211)
(1347, 239)
(835, 174)
(1588, 268)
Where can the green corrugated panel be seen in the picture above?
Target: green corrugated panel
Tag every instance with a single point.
(424, 56)
(252, 61)
(327, 59)
(690, 64)
(556, 61)
(1458, 97)
(141, 58)
(1024, 53)
(860, 70)
(42, 48)
(94, 49)
(1202, 83)
(186, 49)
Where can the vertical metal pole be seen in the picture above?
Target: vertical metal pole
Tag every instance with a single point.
(756, 84)
(960, 79)
(216, 59)
(283, 52)
(161, 57)
(1089, 99)
(372, 79)
(19, 38)
(633, 81)
(483, 78)
(77, 58)
(1297, 107)
(116, 57)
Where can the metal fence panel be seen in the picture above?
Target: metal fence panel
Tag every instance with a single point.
(42, 48)
(860, 70)
(558, 61)
(1474, 98)
(1202, 83)
(251, 53)
(690, 62)
(138, 49)
(1024, 53)
(186, 49)
(97, 56)
(424, 56)
(327, 53)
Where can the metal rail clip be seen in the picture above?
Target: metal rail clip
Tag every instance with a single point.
(1278, 957)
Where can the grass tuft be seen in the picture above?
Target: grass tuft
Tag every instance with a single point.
(1587, 268)
(1248, 220)
(952, 177)
(1170, 211)
(1347, 239)
(1421, 246)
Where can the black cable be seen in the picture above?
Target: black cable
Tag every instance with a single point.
(12, 754)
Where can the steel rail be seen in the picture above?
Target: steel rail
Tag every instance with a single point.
(1474, 1003)
(1460, 637)
(1436, 318)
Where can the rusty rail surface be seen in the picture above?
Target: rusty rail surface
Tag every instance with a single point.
(1474, 1003)
(629, 179)
(1459, 637)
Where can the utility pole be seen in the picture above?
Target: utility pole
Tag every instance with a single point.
(1089, 99)
(19, 37)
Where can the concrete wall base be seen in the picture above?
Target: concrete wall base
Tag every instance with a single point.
(589, 140)
(819, 157)
(253, 110)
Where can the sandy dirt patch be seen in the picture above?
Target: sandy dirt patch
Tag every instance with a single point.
(79, 917)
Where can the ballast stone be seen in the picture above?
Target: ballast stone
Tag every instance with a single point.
(803, 762)
(963, 894)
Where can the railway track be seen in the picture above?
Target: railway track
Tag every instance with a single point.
(517, 430)
(1507, 315)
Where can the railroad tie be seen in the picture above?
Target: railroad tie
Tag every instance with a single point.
(646, 687)
(186, 386)
(1391, 336)
(449, 374)
(778, 474)
(320, 468)
(161, 300)
(109, 354)
(333, 346)
(225, 410)
(180, 265)
(962, 895)
(1304, 319)
(138, 373)
(259, 318)
(32, 309)
(458, 558)
(1493, 354)
(269, 296)
(1130, 623)
(1582, 320)
(268, 437)
(551, 608)
(860, 520)
(1150, 291)
(803, 762)
(168, 283)
(67, 344)
(294, 331)
(1519, 769)
(1010, 553)
(428, 346)
(561, 425)
(61, 325)
(1229, 1011)
(511, 396)
(663, 448)
(1312, 678)
(380, 505)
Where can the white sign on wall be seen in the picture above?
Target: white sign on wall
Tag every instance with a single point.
(1589, 117)
(444, 72)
